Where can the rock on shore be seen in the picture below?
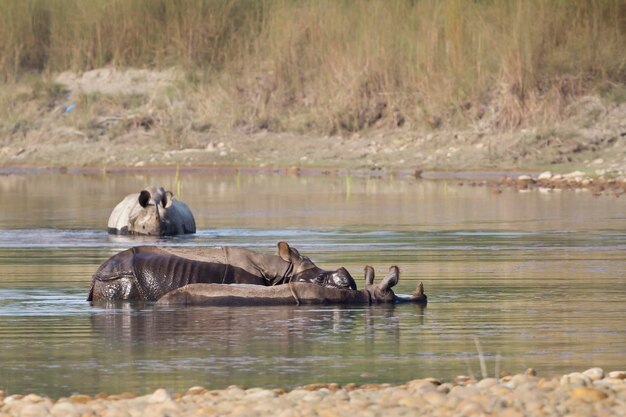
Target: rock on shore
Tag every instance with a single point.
(590, 393)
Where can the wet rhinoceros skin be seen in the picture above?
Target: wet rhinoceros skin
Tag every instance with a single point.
(293, 293)
(148, 272)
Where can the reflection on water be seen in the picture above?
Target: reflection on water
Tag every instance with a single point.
(539, 278)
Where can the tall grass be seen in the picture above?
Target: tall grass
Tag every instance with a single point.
(340, 65)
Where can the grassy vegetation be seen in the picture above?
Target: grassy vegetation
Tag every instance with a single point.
(339, 66)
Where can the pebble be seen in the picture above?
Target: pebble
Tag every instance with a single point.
(80, 399)
(461, 379)
(617, 374)
(510, 412)
(487, 383)
(595, 374)
(196, 390)
(64, 409)
(420, 386)
(435, 398)
(260, 394)
(546, 175)
(34, 410)
(445, 388)
(159, 396)
(574, 174)
(413, 402)
(33, 398)
(589, 393)
(577, 181)
(575, 379)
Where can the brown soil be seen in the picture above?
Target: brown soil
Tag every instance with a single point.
(592, 138)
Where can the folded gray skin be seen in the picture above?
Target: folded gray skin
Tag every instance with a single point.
(146, 273)
(295, 293)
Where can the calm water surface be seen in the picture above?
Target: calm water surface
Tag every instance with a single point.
(539, 279)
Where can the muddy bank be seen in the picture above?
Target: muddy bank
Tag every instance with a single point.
(110, 119)
(590, 393)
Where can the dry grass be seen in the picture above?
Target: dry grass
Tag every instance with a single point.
(339, 66)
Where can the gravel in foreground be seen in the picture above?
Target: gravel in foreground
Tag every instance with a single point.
(590, 393)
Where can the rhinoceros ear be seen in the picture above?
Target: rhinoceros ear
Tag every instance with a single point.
(283, 251)
(144, 198)
(287, 253)
(391, 279)
(167, 199)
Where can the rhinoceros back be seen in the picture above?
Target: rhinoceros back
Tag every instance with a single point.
(119, 218)
(158, 275)
(115, 279)
(147, 273)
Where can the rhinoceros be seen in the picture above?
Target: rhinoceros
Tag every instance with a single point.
(153, 212)
(293, 293)
(149, 272)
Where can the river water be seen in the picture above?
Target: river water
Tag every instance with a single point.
(538, 279)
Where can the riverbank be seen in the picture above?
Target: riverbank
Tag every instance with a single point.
(590, 393)
(110, 119)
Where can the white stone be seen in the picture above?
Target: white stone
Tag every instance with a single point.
(575, 174)
(435, 398)
(546, 175)
(34, 410)
(158, 396)
(487, 382)
(617, 374)
(33, 398)
(575, 379)
(260, 394)
(63, 409)
(594, 373)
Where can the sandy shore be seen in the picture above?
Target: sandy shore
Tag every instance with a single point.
(590, 393)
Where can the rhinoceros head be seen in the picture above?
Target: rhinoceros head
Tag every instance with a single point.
(382, 292)
(304, 270)
(150, 216)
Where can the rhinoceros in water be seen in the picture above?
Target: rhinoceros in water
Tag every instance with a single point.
(153, 212)
(294, 293)
(148, 272)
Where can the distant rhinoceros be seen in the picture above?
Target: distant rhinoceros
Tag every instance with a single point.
(294, 293)
(146, 273)
(153, 212)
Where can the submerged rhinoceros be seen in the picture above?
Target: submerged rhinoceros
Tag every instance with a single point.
(148, 272)
(154, 212)
(293, 293)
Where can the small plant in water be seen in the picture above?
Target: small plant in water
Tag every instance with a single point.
(483, 364)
